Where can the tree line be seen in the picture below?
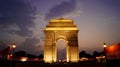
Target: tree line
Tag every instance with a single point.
(81, 54)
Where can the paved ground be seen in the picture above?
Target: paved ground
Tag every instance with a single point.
(41, 64)
(60, 65)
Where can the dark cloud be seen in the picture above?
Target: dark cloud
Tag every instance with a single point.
(59, 10)
(30, 45)
(2, 45)
(19, 13)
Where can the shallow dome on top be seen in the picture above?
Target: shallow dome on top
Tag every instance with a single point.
(61, 20)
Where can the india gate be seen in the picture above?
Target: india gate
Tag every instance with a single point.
(61, 29)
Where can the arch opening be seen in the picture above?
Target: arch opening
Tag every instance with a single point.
(61, 49)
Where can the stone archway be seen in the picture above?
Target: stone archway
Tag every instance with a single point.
(61, 49)
(61, 29)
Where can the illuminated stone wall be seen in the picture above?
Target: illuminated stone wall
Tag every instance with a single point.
(61, 29)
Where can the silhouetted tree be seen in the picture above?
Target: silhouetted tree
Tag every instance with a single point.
(31, 56)
(84, 54)
(88, 55)
(20, 54)
(40, 56)
(96, 54)
(102, 53)
(24, 54)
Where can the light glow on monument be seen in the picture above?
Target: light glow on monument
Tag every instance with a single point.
(61, 29)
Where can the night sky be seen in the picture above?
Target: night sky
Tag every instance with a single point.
(23, 21)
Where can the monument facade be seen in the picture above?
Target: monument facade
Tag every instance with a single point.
(61, 29)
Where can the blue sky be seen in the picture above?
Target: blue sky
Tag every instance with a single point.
(23, 21)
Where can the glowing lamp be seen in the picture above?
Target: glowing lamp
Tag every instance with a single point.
(104, 45)
(23, 59)
(14, 46)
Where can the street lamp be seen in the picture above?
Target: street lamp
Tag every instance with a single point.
(104, 45)
(13, 47)
(104, 52)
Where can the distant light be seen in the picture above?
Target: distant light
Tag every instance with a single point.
(23, 59)
(83, 59)
(9, 56)
(54, 60)
(59, 60)
(104, 45)
(100, 57)
(14, 46)
(48, 59)
(103, 56)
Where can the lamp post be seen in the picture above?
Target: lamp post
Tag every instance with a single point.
(13, 47)
(104, 52)
(104, 46)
